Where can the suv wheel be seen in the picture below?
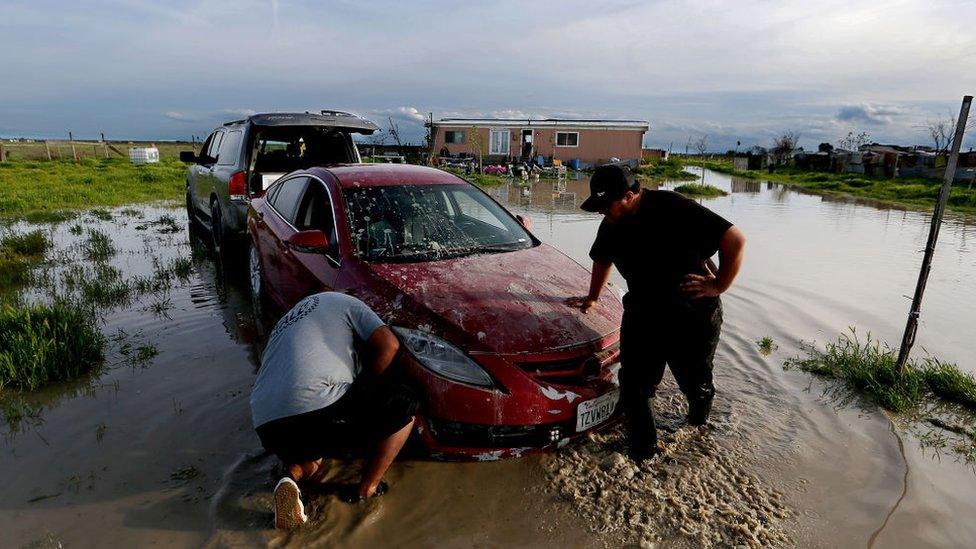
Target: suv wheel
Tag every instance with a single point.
(191, 213)
(216, 227)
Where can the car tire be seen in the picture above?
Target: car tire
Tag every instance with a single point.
(256, 280)
(216, 227)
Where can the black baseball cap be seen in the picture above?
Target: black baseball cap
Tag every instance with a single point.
(608, 184)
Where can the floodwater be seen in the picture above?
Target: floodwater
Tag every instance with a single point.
(163, 452)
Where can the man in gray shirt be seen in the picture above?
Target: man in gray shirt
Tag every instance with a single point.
(323, 385)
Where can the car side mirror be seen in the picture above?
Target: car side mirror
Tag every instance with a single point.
(525, 222)
(188, 156)
(311, 241)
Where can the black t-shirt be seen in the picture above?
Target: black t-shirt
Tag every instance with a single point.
(668, 237)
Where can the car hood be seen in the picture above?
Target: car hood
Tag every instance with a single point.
(512, 302)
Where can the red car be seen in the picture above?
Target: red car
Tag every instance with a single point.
(504, 364)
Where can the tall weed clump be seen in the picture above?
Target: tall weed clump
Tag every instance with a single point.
(44, 343)
(870, 368)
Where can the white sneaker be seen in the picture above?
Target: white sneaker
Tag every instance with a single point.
(288, 507)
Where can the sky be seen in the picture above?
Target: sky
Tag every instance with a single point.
(736, 72)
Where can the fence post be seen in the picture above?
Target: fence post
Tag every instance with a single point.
(104, 145)
(3, 153)
(47, 148)
(923, 276)
(74, 152)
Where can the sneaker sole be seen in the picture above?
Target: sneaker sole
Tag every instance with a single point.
(289, 510)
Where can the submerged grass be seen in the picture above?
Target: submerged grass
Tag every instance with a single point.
(694, 189)
(98, 246)
(870, 369)
(660, 170)
(43, 190)
(18, 253)
(42, 343)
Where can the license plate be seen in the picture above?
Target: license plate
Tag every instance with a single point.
(595, 411)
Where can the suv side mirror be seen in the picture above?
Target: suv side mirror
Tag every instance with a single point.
(311, 241)
(188, 156)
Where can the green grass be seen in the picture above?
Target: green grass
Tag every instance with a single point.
(869, 368)
(694, 189)
(40, 344)
(99, 245)
(32, 244)
(662, 170)
(47, 189)
(915, 193)
(18, 254)
(766, 345)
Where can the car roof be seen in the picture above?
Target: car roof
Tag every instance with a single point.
(381, 175)
(335, 119)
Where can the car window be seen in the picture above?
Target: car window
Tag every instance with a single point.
(287, 199)
(468, 206)
(315, 212)
(230, 148)
(214, 150)
(428, 222)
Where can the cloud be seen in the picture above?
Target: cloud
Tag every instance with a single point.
(870, 114)
(176, 115)
(244, 113)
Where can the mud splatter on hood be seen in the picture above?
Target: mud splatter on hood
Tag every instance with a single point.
(512, 302)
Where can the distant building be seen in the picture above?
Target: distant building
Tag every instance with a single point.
(585, 143)
(651, 155)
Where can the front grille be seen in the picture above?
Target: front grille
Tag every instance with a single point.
(452, 433)
(577, 370)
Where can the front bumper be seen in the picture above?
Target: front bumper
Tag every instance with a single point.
(534, 408)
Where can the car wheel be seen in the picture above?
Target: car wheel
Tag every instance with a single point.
(216, 227)
(256, 278)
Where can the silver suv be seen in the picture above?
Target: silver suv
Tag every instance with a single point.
(241, 158)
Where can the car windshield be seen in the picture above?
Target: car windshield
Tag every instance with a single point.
(429, 222)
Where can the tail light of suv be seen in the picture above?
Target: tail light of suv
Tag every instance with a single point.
(237, 187)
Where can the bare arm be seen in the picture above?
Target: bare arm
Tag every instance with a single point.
(383, 347)
(598, 279)
(730, 253)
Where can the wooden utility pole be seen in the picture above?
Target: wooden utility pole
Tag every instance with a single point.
(74, 152)
(47, 148)
(923, 276)
(104, 145)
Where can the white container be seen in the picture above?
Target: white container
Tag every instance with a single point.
(143, 155)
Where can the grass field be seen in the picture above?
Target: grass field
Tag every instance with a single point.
(42, 190)
(915, 193)
(61, 150)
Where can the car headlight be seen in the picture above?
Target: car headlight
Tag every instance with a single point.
(442, 358)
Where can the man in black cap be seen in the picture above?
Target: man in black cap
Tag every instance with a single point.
(661, 242)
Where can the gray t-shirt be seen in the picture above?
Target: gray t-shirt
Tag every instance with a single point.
(310, 360)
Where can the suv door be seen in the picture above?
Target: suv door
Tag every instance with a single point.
(204, 182)
(198, 175)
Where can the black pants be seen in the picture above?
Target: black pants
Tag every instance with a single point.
(684, 337)
(365, 415)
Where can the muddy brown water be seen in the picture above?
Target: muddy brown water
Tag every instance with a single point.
(163, 453)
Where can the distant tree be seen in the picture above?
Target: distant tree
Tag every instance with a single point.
(783, 147)
(941, 131)
(854, 140)
(701, 145)
(825, 148)
(478, 146)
